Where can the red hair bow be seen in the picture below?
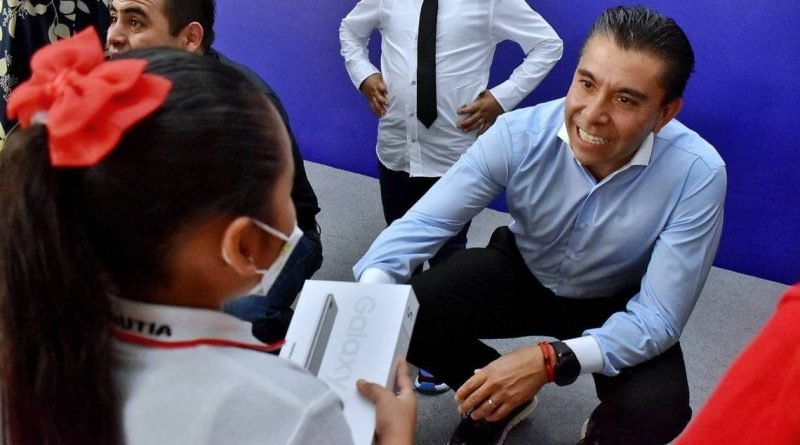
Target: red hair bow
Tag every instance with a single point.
(86, 103)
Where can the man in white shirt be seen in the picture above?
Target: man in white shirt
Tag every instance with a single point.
(412, 156)
(413, 152)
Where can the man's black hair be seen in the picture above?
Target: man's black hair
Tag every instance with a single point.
(642, 29)
(182, 12)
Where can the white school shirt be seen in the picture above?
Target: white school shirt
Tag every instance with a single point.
(467, 33)
(194, 376)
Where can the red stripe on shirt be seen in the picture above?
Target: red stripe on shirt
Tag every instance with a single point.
(131, 338)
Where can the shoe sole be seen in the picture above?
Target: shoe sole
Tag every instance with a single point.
(518, 418)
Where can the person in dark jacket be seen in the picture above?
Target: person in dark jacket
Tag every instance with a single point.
(189, 25)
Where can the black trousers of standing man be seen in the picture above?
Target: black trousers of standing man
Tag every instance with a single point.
(399, 192)
(490, 293)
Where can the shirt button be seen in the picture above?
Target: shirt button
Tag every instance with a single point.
(414, 141)
(413, 82)
(412, 114)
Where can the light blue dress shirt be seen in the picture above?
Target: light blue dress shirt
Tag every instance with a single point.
(654, 223)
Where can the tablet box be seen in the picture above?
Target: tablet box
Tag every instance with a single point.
(343, 331)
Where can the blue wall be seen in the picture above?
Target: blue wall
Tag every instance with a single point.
(743, 98)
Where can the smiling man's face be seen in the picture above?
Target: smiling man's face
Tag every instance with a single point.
(615, 100)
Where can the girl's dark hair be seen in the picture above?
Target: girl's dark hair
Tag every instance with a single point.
(642, 29)
(73, 236)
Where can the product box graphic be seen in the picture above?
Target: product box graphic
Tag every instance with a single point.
(342, 332)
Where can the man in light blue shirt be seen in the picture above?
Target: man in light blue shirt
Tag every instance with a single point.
(617, 212)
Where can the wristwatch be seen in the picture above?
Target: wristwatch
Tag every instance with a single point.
(567, 365)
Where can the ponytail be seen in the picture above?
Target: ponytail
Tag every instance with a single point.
(69, 237)
(55, 315)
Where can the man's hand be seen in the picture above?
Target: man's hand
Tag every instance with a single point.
(395, 414)
(508, 381)
(482, 113)
(375, 91)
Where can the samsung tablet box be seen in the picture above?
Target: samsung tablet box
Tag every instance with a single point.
(342, 332)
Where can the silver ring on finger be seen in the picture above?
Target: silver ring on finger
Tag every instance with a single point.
(491, 403)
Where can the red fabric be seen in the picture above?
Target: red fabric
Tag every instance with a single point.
(87, 103)
(758, 400)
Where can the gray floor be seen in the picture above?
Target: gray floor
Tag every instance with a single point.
(730, 311)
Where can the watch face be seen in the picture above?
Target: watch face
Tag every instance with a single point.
(567, 365)
(570, 369)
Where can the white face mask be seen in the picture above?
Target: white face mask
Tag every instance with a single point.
(270, 274)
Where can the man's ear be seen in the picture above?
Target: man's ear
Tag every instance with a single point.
(191, 38)
(668, 112)
(237, 248)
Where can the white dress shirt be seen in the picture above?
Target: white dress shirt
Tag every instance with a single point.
(466, 36)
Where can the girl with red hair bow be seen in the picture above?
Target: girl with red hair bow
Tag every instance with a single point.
(141, 194)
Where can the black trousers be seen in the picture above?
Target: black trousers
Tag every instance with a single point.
(399, 192)
(490, 293)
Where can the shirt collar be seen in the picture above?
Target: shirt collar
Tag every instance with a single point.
(162, 326)
(641, 157)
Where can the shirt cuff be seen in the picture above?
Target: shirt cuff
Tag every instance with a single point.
(377, 276)
(587, 351)
(504, 96)
(360, 72)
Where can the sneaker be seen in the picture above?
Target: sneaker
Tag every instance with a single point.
(426, 383)
(482, 432)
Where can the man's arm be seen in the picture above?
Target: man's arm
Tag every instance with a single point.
(677, 271)
(515, 20)
(354, 32)
(303, 195)
(481, 113)
(466, 189)
(675, 276)
(374, 89)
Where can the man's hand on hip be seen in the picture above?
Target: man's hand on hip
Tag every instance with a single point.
(375, 91)
(482, 113)
(499, 387)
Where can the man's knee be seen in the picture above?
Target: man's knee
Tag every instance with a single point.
(440, 317)
(637, 424)
(647, 404)
(660, 418)
(428, 286)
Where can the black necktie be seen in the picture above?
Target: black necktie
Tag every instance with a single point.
(426, 63)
